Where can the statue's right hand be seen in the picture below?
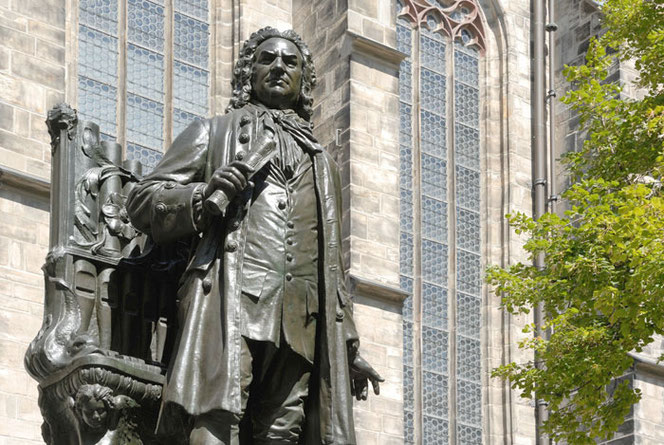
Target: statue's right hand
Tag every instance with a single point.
(230, 179)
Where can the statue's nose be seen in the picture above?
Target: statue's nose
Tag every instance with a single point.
(278, 65)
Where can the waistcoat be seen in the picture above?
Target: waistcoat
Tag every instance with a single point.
(280, 271)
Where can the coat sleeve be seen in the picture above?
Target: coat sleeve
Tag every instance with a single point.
(164, 204)
(345, 310)
(350, 331)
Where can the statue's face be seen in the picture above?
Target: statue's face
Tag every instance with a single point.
(94, 413)
(277, 73)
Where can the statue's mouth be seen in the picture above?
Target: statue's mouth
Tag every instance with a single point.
(277, 82)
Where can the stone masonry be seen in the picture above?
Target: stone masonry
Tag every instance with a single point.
(348, 81)
(32, 79)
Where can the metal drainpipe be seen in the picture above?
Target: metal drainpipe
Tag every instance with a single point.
(539, 153)
(551, 28)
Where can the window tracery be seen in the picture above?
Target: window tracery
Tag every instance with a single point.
(455, 19)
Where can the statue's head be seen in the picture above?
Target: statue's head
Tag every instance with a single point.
(275, 68)
(94, 404)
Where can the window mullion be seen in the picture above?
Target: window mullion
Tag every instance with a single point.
(168, 73)
(451, 221)
(121, 106)
(417, 241)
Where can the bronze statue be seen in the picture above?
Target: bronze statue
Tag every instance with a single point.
(266, 349)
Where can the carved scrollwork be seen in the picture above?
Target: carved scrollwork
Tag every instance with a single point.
(59, 341)
(456, 19)
(100, 218)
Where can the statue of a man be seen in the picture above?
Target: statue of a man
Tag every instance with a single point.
(267, 350)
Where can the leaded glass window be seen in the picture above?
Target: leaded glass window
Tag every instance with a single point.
(130, 73)
(440, 238)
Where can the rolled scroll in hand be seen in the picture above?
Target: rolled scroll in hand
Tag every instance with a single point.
(261, 153)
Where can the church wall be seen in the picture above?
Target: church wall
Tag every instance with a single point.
(32, 79)
(506, 136)
(374, 232)
(224, 42)
(649, 412)
(355, 117)
(23, 246)
(257, 14)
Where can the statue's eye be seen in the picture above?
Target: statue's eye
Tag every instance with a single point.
(290, 60)
(266, 58)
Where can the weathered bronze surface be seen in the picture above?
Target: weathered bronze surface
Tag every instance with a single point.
(217, 279)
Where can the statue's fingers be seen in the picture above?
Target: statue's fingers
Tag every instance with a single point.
(245, 168)
(365, 391)
(352, 387)
(238, 183)
(361, 389)
(373, 375)
(237, 177)
(376, 386)
(224, 184)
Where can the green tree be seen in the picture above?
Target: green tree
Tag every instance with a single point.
(602, 286)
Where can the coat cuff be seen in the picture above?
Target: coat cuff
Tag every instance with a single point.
(176, 211)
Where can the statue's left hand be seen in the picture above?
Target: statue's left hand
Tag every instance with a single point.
(361, 373)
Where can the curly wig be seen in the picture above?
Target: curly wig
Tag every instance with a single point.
(243, 71)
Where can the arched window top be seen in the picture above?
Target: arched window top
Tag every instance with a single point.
(457, 19)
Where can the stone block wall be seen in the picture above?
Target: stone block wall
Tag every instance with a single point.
(23, 245)
(225, 41)
(648, 417)
(32, 80)
(373, 19)
(257, 14)
(356, 119)
(506, 140)
(374, 169)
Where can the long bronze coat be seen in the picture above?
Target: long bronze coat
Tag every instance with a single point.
(204, 374)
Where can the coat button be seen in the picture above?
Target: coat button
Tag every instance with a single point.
(289, 241)
(282, 204)
(289, 257)
(207, 285)
(244, 138)
(169, 185)
(340, 315)
(289, 276)
(239, 155)
(231, 246)
(290, 224)
(244, 120)
(161, 208)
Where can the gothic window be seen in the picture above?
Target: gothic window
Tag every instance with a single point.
(148, 58)
(440, 219)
